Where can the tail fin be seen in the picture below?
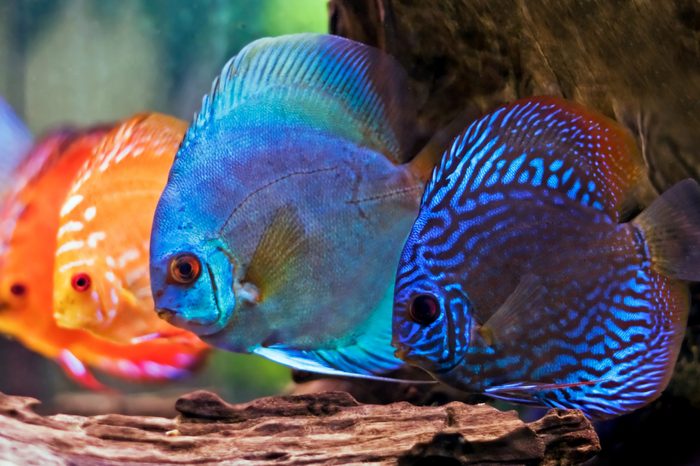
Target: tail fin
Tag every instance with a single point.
(671, 227)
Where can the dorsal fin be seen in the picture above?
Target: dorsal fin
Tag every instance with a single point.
(545, 142)
(326, 82)
(127, 139)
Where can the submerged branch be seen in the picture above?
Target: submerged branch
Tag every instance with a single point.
(324, 428)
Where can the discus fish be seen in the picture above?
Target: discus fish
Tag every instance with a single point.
(29, 219)
(15, 142)
(517, 279)
(281, 225)
(101, 281)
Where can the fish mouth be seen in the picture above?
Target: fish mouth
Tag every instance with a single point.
(174, 318)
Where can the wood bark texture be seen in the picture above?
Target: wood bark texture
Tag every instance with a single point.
(327, 428)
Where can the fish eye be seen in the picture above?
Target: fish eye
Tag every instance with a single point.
(184, 269)
(424, 309)
(81, 282)
(18, 289)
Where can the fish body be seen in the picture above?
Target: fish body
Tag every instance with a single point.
(101, 280)
(15, 141)
(290, 197)
(29, 220)
(518, 279)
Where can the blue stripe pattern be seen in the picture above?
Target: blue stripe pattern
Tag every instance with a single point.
(524, 191)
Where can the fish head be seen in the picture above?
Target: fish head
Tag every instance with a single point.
(432, 317)
(198, 268)
(101, 274)
(77, 292)
(193, 286)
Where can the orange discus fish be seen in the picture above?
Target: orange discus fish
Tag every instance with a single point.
(28, 225)
(101, 272)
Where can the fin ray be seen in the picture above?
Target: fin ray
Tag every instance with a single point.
(317, 77)
(556, 145)
(671, 227)
(77, 371)
(523, 305)
(280, 249)
(311, 361)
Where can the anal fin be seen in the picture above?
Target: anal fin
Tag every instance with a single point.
(77, 371)
(531, 392)
(323, 362)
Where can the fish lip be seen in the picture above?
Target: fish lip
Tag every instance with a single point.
(173, 318)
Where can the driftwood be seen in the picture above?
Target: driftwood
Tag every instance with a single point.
(328, 428)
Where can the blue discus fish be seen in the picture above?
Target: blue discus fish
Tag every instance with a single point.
(15, 142)
(518, 280)
(281, 225)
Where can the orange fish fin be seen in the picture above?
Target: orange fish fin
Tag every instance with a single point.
(156, 360)
(78, 372)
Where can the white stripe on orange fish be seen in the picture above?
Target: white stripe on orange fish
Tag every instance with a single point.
(70, 227)
(71, 204)
(70, 246)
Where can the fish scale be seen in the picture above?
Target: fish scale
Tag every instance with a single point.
(534, 190)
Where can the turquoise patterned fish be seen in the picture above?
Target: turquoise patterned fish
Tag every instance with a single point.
(518, 279)
(281, 225)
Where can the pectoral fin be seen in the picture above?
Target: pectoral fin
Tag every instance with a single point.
(280, 252)
(524, 305)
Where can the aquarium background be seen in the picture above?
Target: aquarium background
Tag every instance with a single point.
(82, 62)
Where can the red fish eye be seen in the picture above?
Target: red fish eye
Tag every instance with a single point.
(424, 309)
(184, 269)
(80, 282)
(18, 289)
